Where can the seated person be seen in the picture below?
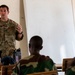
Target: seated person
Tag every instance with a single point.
(35, 62)
(7, 60)
(71, 69)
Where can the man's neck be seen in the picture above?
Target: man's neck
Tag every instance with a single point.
(4, 19)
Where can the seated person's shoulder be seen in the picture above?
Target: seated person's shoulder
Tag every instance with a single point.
(25, 59)
(43, 57)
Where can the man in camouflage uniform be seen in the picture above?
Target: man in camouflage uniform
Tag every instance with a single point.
(35, 62)
(9, 32)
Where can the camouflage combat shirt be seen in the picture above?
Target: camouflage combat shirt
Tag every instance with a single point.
(33, 64)
(7, 36)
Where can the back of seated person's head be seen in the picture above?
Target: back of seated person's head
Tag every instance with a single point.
(35, 44)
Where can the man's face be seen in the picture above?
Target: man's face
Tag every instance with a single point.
(3, 12)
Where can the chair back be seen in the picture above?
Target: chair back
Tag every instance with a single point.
(6, 69)
(45, 73)
(0, 66)
(66, 63)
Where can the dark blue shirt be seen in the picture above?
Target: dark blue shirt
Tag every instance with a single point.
(7, 60)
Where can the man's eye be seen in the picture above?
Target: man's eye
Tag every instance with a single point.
(4, 10)
(0, 10)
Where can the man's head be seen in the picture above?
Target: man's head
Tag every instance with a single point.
(35, 44)
(4, 6)
(4, 11)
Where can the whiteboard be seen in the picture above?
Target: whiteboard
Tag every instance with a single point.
(53, 21)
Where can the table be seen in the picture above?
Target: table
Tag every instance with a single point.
(59, 66)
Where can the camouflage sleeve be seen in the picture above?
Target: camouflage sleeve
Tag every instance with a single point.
(17, 36)
(49, 64)
(16, 70)
(69, 72)
(16, 24)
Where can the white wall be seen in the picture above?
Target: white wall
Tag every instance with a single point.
(13, 8)
(53, 21)
(23, 43)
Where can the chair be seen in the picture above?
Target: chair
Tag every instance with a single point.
(66, 63)
(6, 69)
(45, 73)
(0, 66)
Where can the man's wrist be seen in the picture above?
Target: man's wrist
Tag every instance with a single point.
(21, 32)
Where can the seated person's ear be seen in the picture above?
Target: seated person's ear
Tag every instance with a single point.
(40, 47)
(29, 45)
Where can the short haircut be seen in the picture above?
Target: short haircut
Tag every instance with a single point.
(4, 6)
(36, 41)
